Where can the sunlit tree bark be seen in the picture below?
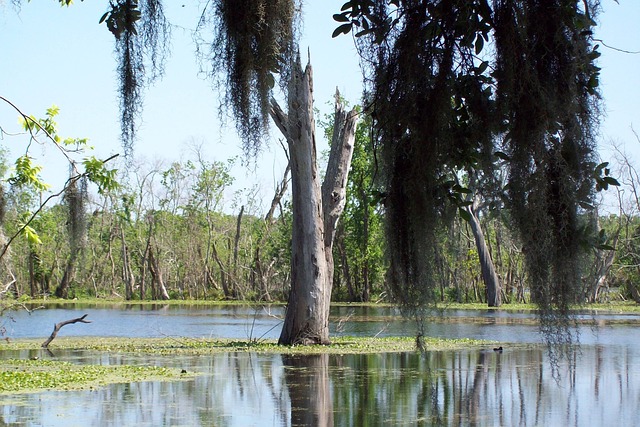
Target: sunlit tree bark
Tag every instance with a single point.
(489, 275)
(316, 209)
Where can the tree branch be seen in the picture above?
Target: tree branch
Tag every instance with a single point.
(279, 118)
(59, 326)
(42, 205)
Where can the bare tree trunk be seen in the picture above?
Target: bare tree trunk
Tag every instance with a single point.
(33, 281)
(236, 244)
(334, 187)
(603, 260)
(62, 290)
(366, 284)
(59, 326)
(307, 317)
(145, 256)
(634, 292)
(489, 275)
(314, 224)
(127, 275)
(346, 271)
(281, 189)
(156, 277)
(223, 272)
(261, 274)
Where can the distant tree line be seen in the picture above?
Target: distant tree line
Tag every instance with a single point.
(174, 232)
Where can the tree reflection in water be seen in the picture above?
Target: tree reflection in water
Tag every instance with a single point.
(309, 386)
(514, 387)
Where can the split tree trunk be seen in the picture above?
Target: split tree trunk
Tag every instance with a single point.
(316, 210)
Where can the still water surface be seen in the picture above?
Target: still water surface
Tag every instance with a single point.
(482, 388)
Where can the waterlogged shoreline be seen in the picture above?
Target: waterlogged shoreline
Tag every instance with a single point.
(39, 371)
(153, 356)
(596, 308)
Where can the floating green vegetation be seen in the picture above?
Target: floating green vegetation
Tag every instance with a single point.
(21, 376)
(198, 346)
(24, 375)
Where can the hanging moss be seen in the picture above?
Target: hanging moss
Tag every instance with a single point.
(142, 44)
(434, 118)
(444, 105)
(252, 46)
(547, 95)
(75, 197)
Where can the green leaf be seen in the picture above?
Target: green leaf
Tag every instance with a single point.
(342, 29)
(611, 181)
(364, 32)
(347, 5)
(464, 214)
(31, 235)
(482, 67)
(502, 156)
(585, 205)
(341, 17)
(605, 247)
(602, 166)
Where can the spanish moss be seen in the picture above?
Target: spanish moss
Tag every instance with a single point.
(75, 199)
(142, 44)
(444, 104)
(547, 93)
(251, 51)
(433, 115)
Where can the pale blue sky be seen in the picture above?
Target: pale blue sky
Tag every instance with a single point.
(53, 55)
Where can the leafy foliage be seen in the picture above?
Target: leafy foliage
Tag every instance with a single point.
(25, 176)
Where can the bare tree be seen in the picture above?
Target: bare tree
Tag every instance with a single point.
(316, 210)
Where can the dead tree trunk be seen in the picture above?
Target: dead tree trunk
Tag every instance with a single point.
(260, 271)
(236, 246)
(603, 261)
(127, 274)
(160, 291)
(314, 219)
(489, 275)
(62, 290)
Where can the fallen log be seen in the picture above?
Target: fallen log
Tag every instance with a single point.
(59, 326)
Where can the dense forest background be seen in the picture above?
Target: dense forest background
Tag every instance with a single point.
(175, 231)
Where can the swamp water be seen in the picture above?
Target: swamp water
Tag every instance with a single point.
(469, 387)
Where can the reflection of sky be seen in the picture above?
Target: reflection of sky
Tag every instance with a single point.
(462, 388)
(512, 388)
